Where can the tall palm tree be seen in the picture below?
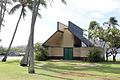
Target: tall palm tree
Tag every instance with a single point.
(111, 29)
(31, 39)
(20, 4)
(24, 61)
(35, 8)
(112, 22)
(112, 35)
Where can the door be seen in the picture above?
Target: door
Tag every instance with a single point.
(68, 53)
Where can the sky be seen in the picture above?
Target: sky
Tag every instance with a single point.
(80, 12)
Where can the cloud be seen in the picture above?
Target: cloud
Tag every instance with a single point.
(103, 6)
(80, 9)
(97, 15)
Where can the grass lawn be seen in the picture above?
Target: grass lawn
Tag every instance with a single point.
(61, 70)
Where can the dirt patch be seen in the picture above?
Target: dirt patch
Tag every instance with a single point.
(105, 79)
(78, 74)
(90, 64)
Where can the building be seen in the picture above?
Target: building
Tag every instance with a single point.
(68, 43)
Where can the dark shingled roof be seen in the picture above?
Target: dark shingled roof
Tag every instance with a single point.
(78, 32)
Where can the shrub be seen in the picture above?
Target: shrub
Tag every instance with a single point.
(94, 55)
(40, 52)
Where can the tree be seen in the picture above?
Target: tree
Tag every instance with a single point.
(113, 36)
(111, 23)
(2, 11)
(93, 28)
(24, 60)
(28, 59)
(20, 4)
(3, 4)
(31, 39)
(40, 52)
(109, 35)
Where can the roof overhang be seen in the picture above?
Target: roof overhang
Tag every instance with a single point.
(54, 40)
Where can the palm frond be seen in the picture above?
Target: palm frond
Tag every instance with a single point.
(50, 1)
(8, 2)
(30, 8)
(105, 23)
(43, 3)
(15, 8)
(24, 13)
(15, 0)
(93, 25)
(39, 15)
(64, 1)
(113, 21)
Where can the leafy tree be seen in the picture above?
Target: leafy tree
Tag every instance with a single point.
(94, 55)
(110, 35)
(93, 28)
(40, 52)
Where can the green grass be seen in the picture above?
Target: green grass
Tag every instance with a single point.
(61, 70)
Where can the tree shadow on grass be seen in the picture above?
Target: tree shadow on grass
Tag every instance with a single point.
(60, 77)
(110, 62)
(105, 68)
(59, 74)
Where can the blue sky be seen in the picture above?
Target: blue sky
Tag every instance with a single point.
(80, 12)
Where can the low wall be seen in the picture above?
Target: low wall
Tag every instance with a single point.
(55, 51)
(84, 51)
(77, 52)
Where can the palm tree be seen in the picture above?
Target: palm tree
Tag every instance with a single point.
(20, 4)
(36, 4)
(31, 38)
(24, 61)
(111, 23)
(3, 4)
(1, 12)
(112, 35)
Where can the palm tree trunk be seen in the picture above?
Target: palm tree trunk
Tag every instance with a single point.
(106, 56)
(5, 57)
(114, 55)
(31, 53)
(114, 58)
(1, 11)
(24, 61)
